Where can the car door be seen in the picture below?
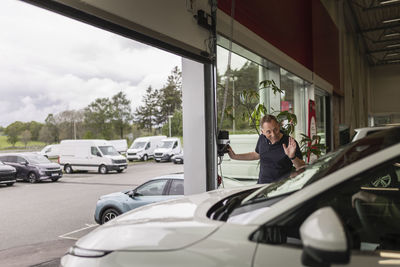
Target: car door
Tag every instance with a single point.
(94, 159)
(369, 212)
(150, 192)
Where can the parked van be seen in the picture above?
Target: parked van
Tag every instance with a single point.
(143, 147)
(50, 151)
(167, 148)
(90, 155)
(120, 145)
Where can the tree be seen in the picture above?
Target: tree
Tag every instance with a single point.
(45, 135)
(51, 124)
(70, 124)
(121, 113)
(34, 128)
(26, 137)
(145, 116)
(170, 96)
(176, 125)
(98, 117)
(13, 131)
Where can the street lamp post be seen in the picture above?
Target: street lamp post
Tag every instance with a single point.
(169, 124)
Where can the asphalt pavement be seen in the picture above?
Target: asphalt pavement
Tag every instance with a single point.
(39, 222)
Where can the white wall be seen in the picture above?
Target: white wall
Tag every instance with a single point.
(169, 21)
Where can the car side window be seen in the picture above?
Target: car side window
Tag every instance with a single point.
(94, 150)
(176, 187)
(148, 145)
(368, 204)
(175, 144)
(152, 188)
(12, 159)
(20, 159)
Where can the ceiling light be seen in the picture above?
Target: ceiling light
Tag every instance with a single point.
(394, 61)
(392, 55)
(391, 20)
(389, 2)
(393, 45)
(392, 34)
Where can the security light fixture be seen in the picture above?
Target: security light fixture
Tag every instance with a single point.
(392, 34)
(389, 2)
(394, 61)
(392, 55)
(393, 45)
(391, 20)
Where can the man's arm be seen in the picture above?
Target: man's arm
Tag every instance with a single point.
(244, 156)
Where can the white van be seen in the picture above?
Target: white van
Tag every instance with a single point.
(120, 145)
(167, 148)
(90, 155)
(50, 151)
(143, 147)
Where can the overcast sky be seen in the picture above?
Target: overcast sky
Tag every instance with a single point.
(50, 63)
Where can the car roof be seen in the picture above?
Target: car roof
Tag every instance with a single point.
(178, 175)
(372, 128)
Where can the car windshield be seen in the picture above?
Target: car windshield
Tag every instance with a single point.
(166, 144)
(138, 145)
(37, 159)
(325, 165)
(108, 150)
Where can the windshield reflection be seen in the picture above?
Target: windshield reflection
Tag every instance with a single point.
(138, 145)
(108, 150)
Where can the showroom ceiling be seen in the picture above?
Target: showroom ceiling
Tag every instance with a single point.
(378, 22)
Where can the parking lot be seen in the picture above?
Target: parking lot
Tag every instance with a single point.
(50, 212)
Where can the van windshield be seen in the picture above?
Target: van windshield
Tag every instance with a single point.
(138, 145)
(37, 159)
(166, 144)
(108, 151)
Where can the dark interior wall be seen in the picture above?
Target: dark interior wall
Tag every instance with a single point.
(286, 24)
(325, 38)
(302, 29)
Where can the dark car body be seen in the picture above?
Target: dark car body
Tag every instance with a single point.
(7, 174)
(32, 167)
(178, 159)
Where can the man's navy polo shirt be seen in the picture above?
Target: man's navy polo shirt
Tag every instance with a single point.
(274, 164)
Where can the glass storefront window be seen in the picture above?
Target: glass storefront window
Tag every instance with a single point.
(293, 100)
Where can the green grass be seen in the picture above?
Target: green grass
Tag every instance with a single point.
(4, 145)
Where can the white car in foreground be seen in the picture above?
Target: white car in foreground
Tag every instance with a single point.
(331, 212)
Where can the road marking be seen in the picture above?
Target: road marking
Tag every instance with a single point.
(66, 236)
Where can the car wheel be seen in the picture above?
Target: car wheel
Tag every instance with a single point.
(9, 184)
(109, 214)
(68, 169)
(103, 169)
(54, 179)
(32, 177)
(145, 157)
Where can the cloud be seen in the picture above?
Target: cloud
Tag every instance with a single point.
(50, 63)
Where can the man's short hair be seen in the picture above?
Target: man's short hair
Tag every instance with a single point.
(268, 118)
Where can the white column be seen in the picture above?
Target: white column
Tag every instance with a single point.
(194, 126)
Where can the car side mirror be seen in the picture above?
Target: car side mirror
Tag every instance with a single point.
(136, 194)
(23, 163)
(324, 239)
(98, 154)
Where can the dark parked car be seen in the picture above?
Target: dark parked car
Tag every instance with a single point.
(32, 167)
(7, 174)
(178, 158)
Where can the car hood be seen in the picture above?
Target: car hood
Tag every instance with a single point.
(6, 168)
(166, 225)
(135, 150)
(116, 195)
(48, 165)
(162, 150)
(116, 157)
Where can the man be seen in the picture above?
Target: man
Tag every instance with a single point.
(277, 152)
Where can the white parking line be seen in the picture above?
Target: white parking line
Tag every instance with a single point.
(66, 236)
